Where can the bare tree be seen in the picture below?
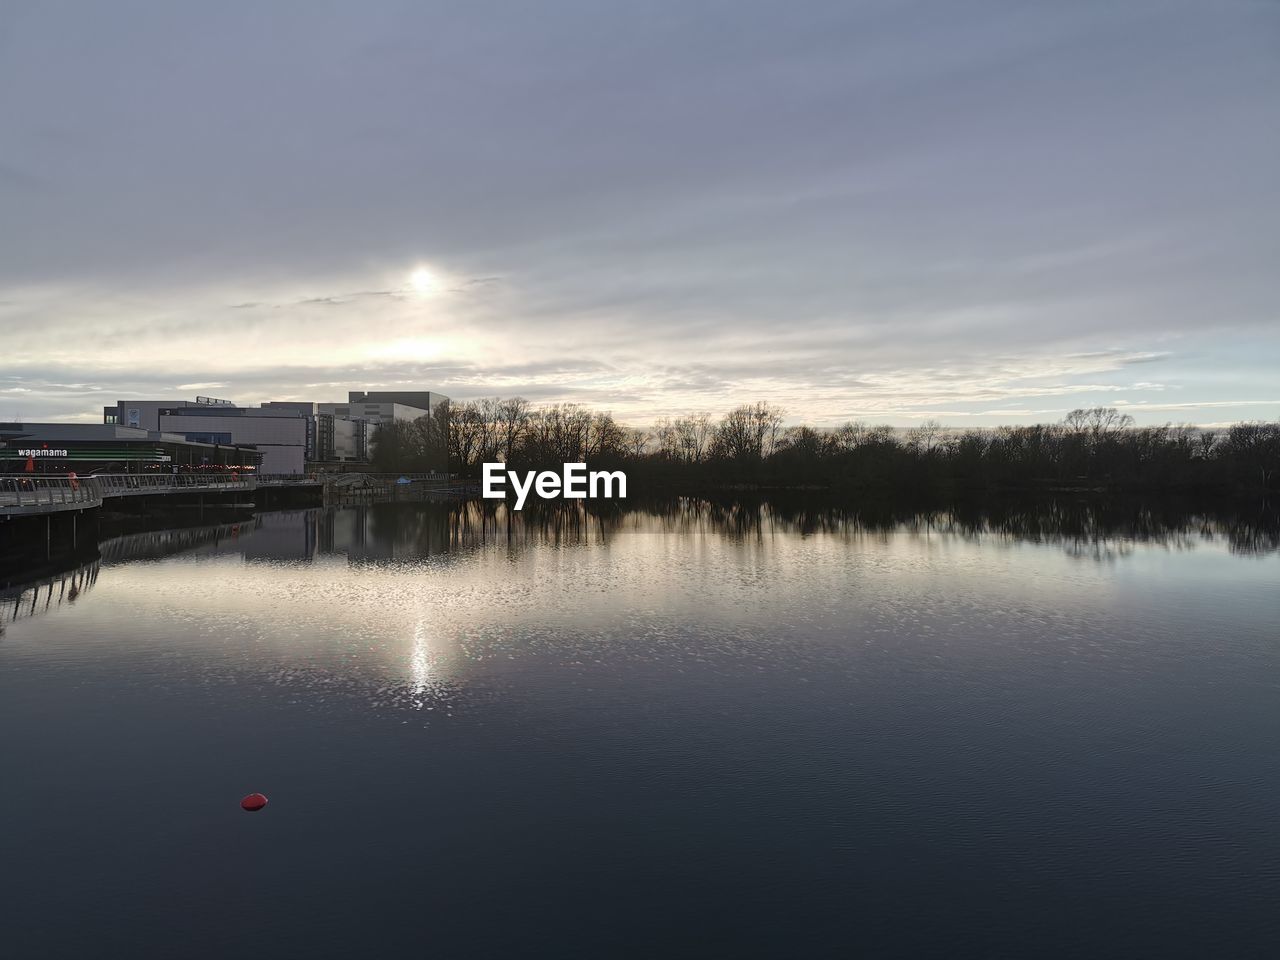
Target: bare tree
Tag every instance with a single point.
(1096, 421)
(694, 436)
(637, 441)
(466, 436)
(749, 432)
(849, 435)
(925, 437)
(513, 419)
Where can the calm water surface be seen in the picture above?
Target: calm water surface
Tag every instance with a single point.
(687, 732)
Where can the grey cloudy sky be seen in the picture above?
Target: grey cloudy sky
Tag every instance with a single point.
(982, 211)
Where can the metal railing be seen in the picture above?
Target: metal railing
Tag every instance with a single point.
(142, 484)
(46, 493)
(41, 494)
(30, 491)
(289, 480)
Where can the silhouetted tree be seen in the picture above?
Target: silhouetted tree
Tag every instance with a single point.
(748, 446)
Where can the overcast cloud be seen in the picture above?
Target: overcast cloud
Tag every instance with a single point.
(985, 211)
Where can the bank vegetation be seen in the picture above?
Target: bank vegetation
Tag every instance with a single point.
(750, 446)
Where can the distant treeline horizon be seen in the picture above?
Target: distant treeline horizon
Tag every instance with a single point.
(750, 447)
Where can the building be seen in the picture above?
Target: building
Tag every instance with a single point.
(374, 413)
(85, 448)
(379, 408)
(280, 435)
(145, 414)
(350, 440)
(331, 438)
(289, 433)
(421, 399)
(370, 416)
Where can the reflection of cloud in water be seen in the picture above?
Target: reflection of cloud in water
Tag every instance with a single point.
(472, 603)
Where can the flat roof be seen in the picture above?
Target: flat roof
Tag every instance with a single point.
(96, 433)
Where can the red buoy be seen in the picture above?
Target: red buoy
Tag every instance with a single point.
(254, 801)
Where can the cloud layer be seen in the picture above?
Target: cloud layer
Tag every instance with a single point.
(982, 212)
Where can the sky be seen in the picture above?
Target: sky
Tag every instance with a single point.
(972, 211)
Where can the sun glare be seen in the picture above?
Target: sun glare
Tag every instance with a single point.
(423, 281)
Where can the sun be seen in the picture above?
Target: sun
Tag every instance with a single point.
(424, 282)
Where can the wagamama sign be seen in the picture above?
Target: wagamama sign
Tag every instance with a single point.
(573, 483)
(42, 452)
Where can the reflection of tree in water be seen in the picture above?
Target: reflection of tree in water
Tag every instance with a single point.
(1098, 529)
(480, 523)
(1101, 529)
(1078, 523)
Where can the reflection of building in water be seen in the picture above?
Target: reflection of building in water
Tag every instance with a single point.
(44, 595)
(193, 541)
(383, 531)
(388, 531)
(284, 535)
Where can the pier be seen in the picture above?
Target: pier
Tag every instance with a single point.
(48, 520)
(28, 495)
(44, 517)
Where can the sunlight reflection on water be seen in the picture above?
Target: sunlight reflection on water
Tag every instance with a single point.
(739, 712)
(399, 609)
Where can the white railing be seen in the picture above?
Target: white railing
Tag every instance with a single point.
(61, 492)
(141, 484)
(289, 480)
(48, 493)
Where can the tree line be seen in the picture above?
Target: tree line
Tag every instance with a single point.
(750, 446)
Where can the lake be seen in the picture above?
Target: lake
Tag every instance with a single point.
(682, 730)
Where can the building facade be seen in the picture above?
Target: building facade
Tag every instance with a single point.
(280, 435)
(85, 448)
(289, 433)
(425, 400)
(331, 437)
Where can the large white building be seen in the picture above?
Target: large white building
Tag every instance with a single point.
(145, 414)
(375, 413)
(330, 437)
(420, 399)
(377, 410)
(281, 435)
(289, 433)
